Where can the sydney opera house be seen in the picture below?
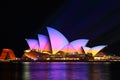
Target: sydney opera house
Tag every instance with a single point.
(55, 46)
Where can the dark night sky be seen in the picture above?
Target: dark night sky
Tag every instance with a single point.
(98, 21)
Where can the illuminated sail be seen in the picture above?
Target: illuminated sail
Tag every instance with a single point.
(86, 49)
(44, 44)
(77, 44)
(69, 49)
(33, 44)
(57, 42)
(57, 39)
(94, 50)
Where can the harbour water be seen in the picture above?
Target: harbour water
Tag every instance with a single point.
(59, 71)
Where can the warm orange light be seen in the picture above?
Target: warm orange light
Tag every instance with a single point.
(7, 52)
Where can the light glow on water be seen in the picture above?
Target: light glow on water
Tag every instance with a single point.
(66, 71)
(58, 71)
(26, 72)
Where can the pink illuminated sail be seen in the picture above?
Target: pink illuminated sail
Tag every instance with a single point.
(69, 49)
(77, 44)
(44, 44)
(33, 44)
(57, 39)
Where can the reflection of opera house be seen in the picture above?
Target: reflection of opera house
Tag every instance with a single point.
(57, 47)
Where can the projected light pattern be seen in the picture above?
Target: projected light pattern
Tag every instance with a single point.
(32, 56)
(94, 50)
(77, 44)
(44, 44)
(33, 44)
(57, 39)
(68, 49)
(86, 49)
(57, 42)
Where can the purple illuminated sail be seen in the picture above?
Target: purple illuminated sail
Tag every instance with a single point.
(69, 49)
(57, 39)
(77, 44)
(44, 44)
(33, 44)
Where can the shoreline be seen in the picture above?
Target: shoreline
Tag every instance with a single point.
(53, 61)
